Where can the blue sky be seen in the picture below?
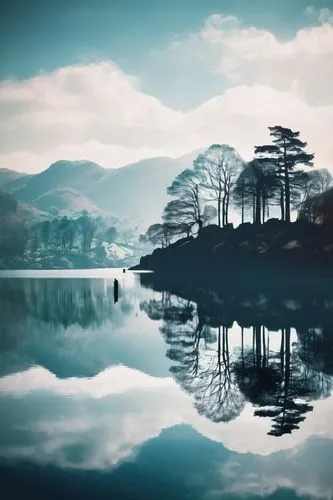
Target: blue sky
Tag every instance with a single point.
(41, 35)
(116, 81)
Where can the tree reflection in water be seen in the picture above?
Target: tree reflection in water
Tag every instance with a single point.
(279, 382)
(57, 303)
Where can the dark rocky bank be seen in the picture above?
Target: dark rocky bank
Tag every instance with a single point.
(251, 255)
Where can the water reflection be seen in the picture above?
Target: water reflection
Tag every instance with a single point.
(73, 328)
(57, 302)
(279, 372)
(174, 392)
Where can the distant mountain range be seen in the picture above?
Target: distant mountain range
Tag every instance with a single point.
(68, 187)
(24, 211)
(7, 175)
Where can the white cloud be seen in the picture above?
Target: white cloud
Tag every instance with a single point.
(241, 115)
(113, 380)
(302, 65)
(107, 155)
(94, 112)
(156, 404)
(97, 112)
(323, 15)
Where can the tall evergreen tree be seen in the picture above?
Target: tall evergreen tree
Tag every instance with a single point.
(287, 152)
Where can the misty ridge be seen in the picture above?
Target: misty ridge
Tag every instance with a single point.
(72, 207)
(79, 215)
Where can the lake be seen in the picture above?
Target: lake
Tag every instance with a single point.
(162, 392)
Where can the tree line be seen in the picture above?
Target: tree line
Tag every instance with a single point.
(220, 179)
(66, 233)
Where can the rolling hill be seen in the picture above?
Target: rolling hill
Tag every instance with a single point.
(63, 200)
(24, 212)
(66, 187)
(7, 175)
(71, 174)
(139, 188)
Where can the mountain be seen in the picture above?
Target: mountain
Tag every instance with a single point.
(62, 200)
(73, 174)
(136, 190)
(7, 204)
(139, 188)
(16, 184)
(24, 212)
(7, 175)
(14, 218)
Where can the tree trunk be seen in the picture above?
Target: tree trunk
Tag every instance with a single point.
(258, 345)
(282, 352)
(286, 183)
(282, 203)
(287, 195)
(219, 210)
(242, 207)
(253, 207)
(227, 209)
(258, 207)
(242, 336)
(223, 211)
(263, 208)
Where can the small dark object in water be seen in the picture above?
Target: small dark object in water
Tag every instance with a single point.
(115, 290)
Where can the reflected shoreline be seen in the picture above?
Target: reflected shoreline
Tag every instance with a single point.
(280, 382)
(282, 353)
(168, 377)
(274, 308)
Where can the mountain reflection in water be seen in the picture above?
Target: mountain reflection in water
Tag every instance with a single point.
(177, 391)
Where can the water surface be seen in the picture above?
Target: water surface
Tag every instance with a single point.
(165, 393)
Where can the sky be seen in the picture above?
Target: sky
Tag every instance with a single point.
(116, 81)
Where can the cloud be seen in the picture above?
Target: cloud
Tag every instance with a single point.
(241, 115)
(125, 394)
(297, 469)
(99, 113)
(92, 111)
(113, 380)
(323, 15)
(97, 423)
(107, 155)
(302, 65)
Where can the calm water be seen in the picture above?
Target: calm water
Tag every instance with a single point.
(163, 394)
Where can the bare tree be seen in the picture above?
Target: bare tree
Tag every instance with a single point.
(156, 235)
(179, 214)
(218, 169)
(186, 190)
(308, 184)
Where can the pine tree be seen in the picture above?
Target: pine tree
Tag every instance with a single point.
(287, 152)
